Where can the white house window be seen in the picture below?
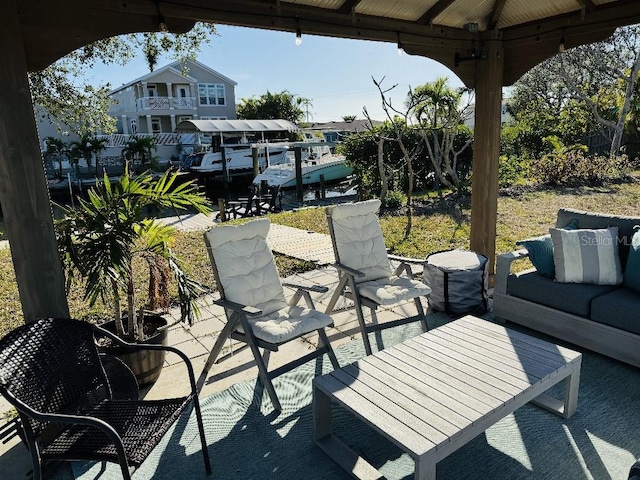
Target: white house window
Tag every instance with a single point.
(156, 125)
(134, 125)
(184, 118)
(152, 91)
(211, 94)
(212, 118)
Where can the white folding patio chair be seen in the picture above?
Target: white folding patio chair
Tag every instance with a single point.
(365, 273)
(253, 297)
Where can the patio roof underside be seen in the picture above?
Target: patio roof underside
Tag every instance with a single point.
(512, 36)
(530, 30)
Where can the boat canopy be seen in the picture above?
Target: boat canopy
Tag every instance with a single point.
(236, 126)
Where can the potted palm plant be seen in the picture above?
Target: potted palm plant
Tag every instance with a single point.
(100, 239)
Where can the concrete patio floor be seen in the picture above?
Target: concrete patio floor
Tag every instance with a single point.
(235, 363)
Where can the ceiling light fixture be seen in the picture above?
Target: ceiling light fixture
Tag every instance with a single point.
(162, 24)
(298, 34)
(471, 27)
(400, 47)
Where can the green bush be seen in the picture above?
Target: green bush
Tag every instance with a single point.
(394, 199)
(512, 170)
(575, 168)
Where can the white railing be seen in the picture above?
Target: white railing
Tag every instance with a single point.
(181, 103)
(165, 103)
(120, 139)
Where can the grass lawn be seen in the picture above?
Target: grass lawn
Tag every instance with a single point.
(438, 224)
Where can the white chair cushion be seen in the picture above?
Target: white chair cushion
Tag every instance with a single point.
(288, 323)
(388, 291)
(245, 265)
(358, 239)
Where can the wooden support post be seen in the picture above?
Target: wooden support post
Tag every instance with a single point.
(486, 150)
(23, 187)
(256, 164)
(222, 207)
(225, 173)
(298, 155)
(323, 192)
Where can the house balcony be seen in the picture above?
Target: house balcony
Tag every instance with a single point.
(165, 103)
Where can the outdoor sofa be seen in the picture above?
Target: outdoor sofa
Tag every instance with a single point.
(605, 317)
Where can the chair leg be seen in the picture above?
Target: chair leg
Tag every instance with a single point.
(325, 341)
(423, 317)
(224, 335)
(203, 440)
(360, 315)
(217, 347)
(262, 368)
(338, 292)
(36, 461)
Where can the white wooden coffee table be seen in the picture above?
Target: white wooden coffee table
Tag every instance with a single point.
(435, 392)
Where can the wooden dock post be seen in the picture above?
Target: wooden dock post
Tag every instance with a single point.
(323, 192)
(256, 164)
(222, 207)
(225, 173)
(299, 192)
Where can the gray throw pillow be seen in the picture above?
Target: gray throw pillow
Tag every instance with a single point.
(587, 256)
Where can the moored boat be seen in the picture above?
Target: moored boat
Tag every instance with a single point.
(316, 168)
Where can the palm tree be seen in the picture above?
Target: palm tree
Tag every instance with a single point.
(82, 149)
(99, 240)
(435, 103)
(139, 149)
(56, 149)
(97, 146)
(436, 107)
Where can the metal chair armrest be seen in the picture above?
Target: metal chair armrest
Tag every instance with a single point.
(238, 307)
(308, 288)
(140, 346)
(348, 270)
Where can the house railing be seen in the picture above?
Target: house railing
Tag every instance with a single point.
(120, 139)
(165, 103)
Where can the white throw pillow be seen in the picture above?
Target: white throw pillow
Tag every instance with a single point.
(586, 256)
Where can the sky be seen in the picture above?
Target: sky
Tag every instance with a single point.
(336, 74)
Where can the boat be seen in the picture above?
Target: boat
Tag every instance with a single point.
(239, 159)
(319, 165)
(238, 140)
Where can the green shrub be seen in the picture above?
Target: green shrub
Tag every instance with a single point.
(394, 199)
(575, 168)
(512, 170)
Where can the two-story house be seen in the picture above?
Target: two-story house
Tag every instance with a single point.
(156, 102)
(153, 105)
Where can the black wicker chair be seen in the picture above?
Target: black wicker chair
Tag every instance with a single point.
(75, 404)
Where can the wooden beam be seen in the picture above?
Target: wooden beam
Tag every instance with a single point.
(313, 20)
(23, 188)
(348, 6)
(433, 12)
(50, 31)
(486, 151)
(587, 4)
(495, 14)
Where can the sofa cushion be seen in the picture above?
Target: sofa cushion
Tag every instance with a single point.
(632, 270)
(587, 256)
(624, 223)
(619, 308)
(574, 298)
(540, 251)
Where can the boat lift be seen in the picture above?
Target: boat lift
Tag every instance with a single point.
(218, 128)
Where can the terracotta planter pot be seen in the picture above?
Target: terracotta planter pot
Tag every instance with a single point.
(145, 364)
